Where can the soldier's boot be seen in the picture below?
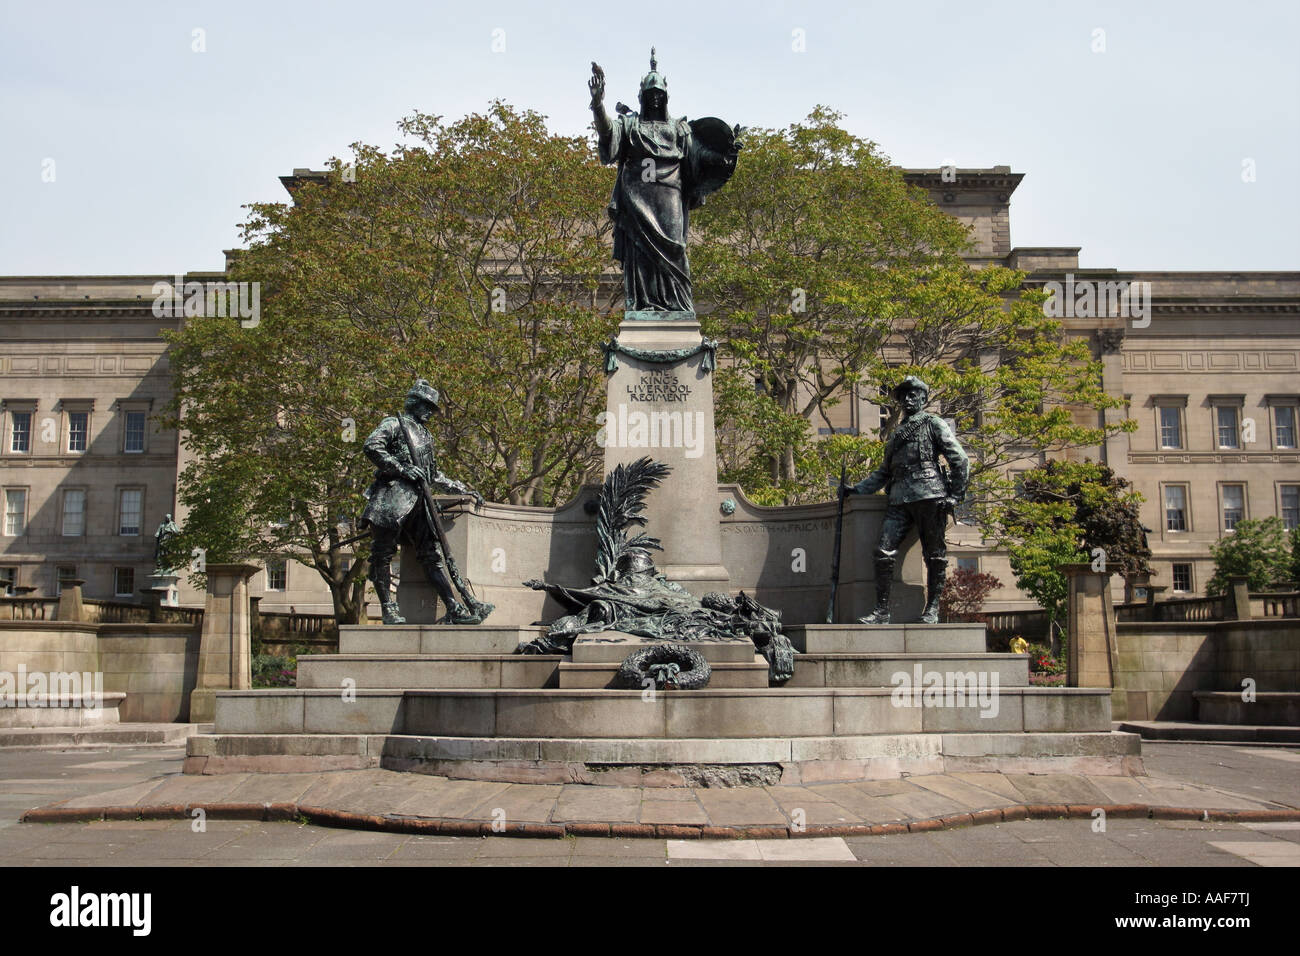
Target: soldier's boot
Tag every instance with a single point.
(457, 613)
(382, 579)
(936, 570)
(884, 581)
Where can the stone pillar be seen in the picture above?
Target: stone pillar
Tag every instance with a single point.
(1153, 595)
(1093, 649)
(225, 645)
(665, 411)
(153, 599)
(1239, 597)
(255, 615)
(70, 606)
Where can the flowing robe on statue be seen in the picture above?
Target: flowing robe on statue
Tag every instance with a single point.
(662, 169)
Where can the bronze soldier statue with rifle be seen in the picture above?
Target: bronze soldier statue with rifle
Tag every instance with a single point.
(401, 509)
(920, 492)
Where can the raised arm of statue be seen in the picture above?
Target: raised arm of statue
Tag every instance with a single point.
(596, 85)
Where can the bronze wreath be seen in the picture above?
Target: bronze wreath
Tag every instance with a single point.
(674, 666)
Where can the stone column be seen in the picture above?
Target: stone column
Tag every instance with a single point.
(1093, 649)
(1239, 597)
(225, 645)
(665, 411)
(70, 605)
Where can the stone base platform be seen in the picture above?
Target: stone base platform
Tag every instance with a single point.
(756, 761)
(707, 713)
(64, 711)
(1269, 708)
(864, 702)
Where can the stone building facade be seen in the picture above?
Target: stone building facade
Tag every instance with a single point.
(1211, 374)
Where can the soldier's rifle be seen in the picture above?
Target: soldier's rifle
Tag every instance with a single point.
(434, 516)
(839, 536)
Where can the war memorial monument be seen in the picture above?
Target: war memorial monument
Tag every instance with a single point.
(661, 630)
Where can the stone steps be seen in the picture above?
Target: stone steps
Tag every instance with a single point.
(668, 762)
(116, 735)
(1269, 708)
(707, 713)
(887, 638)
(724, 674)
(1192, 732)
(540, 671)
(434, 638)
(401, 671)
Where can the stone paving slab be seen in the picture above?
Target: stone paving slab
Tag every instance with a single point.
(395, 802)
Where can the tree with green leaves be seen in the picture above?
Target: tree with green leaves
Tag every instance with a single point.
(1066, 512)
(1257, 548)
(826, 275)
(472, 257)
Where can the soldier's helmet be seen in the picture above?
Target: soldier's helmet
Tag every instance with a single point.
(424, 392)
(911, 382)
(654, 80)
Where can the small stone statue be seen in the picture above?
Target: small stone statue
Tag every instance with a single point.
(666, 167)
(920, 493)
(167, 529)
(401, 509)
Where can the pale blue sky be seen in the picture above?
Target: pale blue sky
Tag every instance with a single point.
(1134, 153)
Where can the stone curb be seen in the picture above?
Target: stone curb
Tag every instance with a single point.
(398, 823)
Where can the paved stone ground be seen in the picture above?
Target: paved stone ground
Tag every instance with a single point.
(172, 843)
(1225, 775)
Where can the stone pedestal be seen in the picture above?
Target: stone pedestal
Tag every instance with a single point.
(225, 645)
(1238, 602)
(1093, 649)
(665, 411)
(70, 604)
(165, 582)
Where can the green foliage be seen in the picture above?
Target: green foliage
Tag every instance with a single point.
(471, 258)
(1257, 548)
(274, 670)
(828, 275)
(1036, 560)
(1294, 576)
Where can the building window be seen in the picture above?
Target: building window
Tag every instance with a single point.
(970, 563)
(277, 574)
(1226, 432)
(129, 502)
(134, 432)
(1176, 508)
(1182, 577)
(15, 511)
(64, 572)
(1284, 417)
(78, 430)
(1290, 510)
(1234, 505)
(74, 512)
(1171, 426)
(8, 579)
(20, 435)
(124, 582)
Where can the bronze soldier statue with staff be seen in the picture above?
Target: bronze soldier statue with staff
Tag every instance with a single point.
(401, 509)
(920, 492)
